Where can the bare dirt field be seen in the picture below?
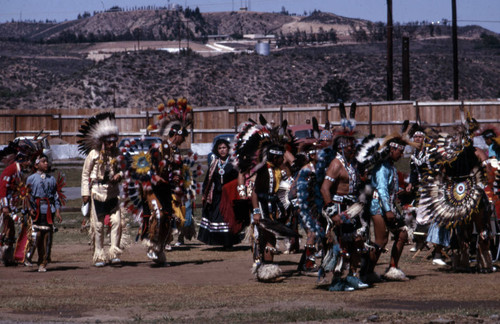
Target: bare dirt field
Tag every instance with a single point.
(205, 284)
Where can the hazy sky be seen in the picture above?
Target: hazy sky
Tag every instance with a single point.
(478, 12)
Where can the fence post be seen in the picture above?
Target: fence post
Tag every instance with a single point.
(326, 113)
(147, 122)
(235, 118)
(281, 114)
(59, 123)
(417, 112)
(370, 118)
(192, 126)
(15, 126)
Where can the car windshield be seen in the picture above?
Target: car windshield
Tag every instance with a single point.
(306, 133)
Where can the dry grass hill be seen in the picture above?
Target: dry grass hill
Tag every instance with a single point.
(49, 74)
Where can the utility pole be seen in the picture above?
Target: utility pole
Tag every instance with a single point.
(455, 48)
(406, 67)
(390, 84)
(179, 37)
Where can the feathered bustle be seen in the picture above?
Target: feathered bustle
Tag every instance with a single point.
(449, 201)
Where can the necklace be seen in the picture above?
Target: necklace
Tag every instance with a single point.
(221, 167)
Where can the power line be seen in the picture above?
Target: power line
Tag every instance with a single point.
(479, 21)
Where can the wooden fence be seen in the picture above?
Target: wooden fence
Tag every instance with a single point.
(378, 118)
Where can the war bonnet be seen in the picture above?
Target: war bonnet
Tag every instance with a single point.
(95, 130)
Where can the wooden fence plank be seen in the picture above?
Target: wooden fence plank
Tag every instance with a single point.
(377, 117)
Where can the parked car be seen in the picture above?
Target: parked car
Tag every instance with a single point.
(304, 133)
(141, 143)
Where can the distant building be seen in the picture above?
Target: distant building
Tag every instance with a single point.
(259, 37)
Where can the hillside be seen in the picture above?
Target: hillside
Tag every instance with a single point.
(49, 74)
(288, 76)
(172, 24)
(162, 24)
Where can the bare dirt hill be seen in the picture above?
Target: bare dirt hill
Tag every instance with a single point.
(163, 24)
(45, 78)
(247, 22)
(312, 50)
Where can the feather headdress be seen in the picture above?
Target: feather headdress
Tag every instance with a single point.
(447, 148)
(345, 135)
(372, 151)
(94, 130)
(175, 117)
(253, 143)
(23, 149)
(348, 125)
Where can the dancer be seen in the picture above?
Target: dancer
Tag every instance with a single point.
(455, 198)
(384, 213)
(153, 177)
(340, 191)
(185, 196)
(101, 177)
(266, 206)
(45, 204)
(18, 158)
(307, 209)
(260, 151)
(214, 230)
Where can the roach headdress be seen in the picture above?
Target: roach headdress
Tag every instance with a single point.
(174, 118)
(94, 130)
(345, 134)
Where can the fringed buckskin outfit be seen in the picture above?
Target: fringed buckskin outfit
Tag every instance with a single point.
(99, 182)
(97, 171)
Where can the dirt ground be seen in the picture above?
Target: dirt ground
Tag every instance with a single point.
(205, 284)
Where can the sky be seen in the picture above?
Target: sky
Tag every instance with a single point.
(485, 13)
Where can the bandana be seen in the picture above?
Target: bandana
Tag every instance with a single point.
(396, 145)
(276, 152)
